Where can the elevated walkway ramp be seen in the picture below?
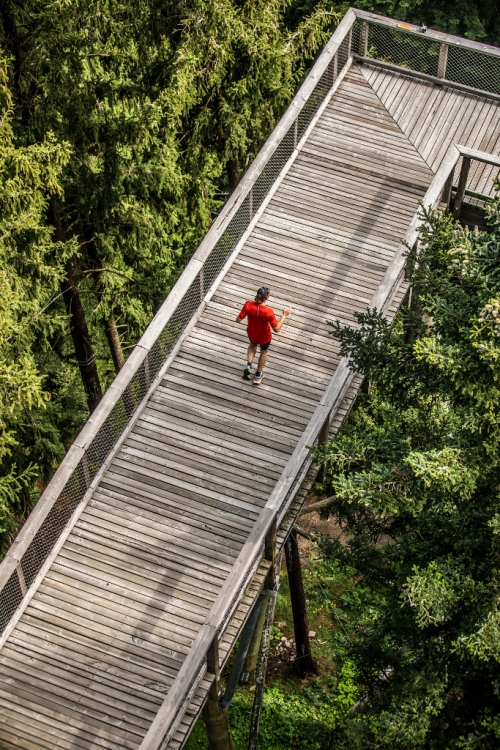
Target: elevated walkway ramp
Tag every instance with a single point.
(91, 652)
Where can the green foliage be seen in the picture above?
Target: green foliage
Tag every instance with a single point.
(31, 266)
(416, 475)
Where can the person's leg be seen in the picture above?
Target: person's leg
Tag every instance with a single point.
(252, 348)
(262, 360)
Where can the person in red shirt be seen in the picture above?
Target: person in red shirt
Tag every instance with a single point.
(261, 324)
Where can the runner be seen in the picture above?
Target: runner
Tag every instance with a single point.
(261, 319)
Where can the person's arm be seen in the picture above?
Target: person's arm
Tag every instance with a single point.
(284, 316)
(241, 317)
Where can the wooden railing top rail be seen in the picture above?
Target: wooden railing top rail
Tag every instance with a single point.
(438, 36)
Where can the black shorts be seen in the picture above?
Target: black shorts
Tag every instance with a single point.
(263, 347)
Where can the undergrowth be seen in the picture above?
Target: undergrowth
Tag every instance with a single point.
(303, 713)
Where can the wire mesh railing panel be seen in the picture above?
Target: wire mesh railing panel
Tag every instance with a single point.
(342, 55)
(473, 69)
(271, 171)
(54, 523)
(313, 103)
(11, 597)
(403, 48)
(228, 241)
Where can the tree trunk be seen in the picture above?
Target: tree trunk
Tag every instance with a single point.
(114, 342)
(304, 664)
(232, 173)
(79, 330)
(81, 339)
(26, 99)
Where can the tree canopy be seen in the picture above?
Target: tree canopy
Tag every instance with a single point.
(416, 477)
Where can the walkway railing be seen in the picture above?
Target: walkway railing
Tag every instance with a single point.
(72, 485)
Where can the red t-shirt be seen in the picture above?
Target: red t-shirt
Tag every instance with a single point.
(260, 320)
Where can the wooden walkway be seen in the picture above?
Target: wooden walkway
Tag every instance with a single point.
(90, 660)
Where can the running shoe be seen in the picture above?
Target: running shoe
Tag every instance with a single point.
(247, 372)
(257, 378)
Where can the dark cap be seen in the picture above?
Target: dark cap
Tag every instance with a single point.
(263, 292)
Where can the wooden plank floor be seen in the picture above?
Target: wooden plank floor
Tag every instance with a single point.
(433, 117)
(90, 660)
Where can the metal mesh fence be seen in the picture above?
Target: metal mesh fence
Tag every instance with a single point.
(402, 48)
(10, 598)
(473, 69)
(414, 50)
(54, 523)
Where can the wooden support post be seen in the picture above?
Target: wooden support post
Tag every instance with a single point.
(270, 554)
(216, 718)
(363, 38)
(323, 438)
(335, 67)
(446, 197)
(213, 666)
(295, 131)
(349, 43)
(260, 680)
(443, 60)
(250, 205)
(202, 284)
(304, 663)
(250, 665)
(462, 184)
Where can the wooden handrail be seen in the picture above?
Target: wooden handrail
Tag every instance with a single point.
(438, 36)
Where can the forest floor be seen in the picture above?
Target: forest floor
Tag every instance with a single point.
(303, 713)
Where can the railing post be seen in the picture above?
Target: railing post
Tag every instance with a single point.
(250, 205)
(202, 284)
(216, 718)
(349, 44)
(363, 38)
(335, 67)
(446, 197)
(443, 60)
(295, 132)
(21, 579)
(462, 185)
(323, 438)
(270, 554)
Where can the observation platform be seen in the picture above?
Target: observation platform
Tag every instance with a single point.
(152, 540)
